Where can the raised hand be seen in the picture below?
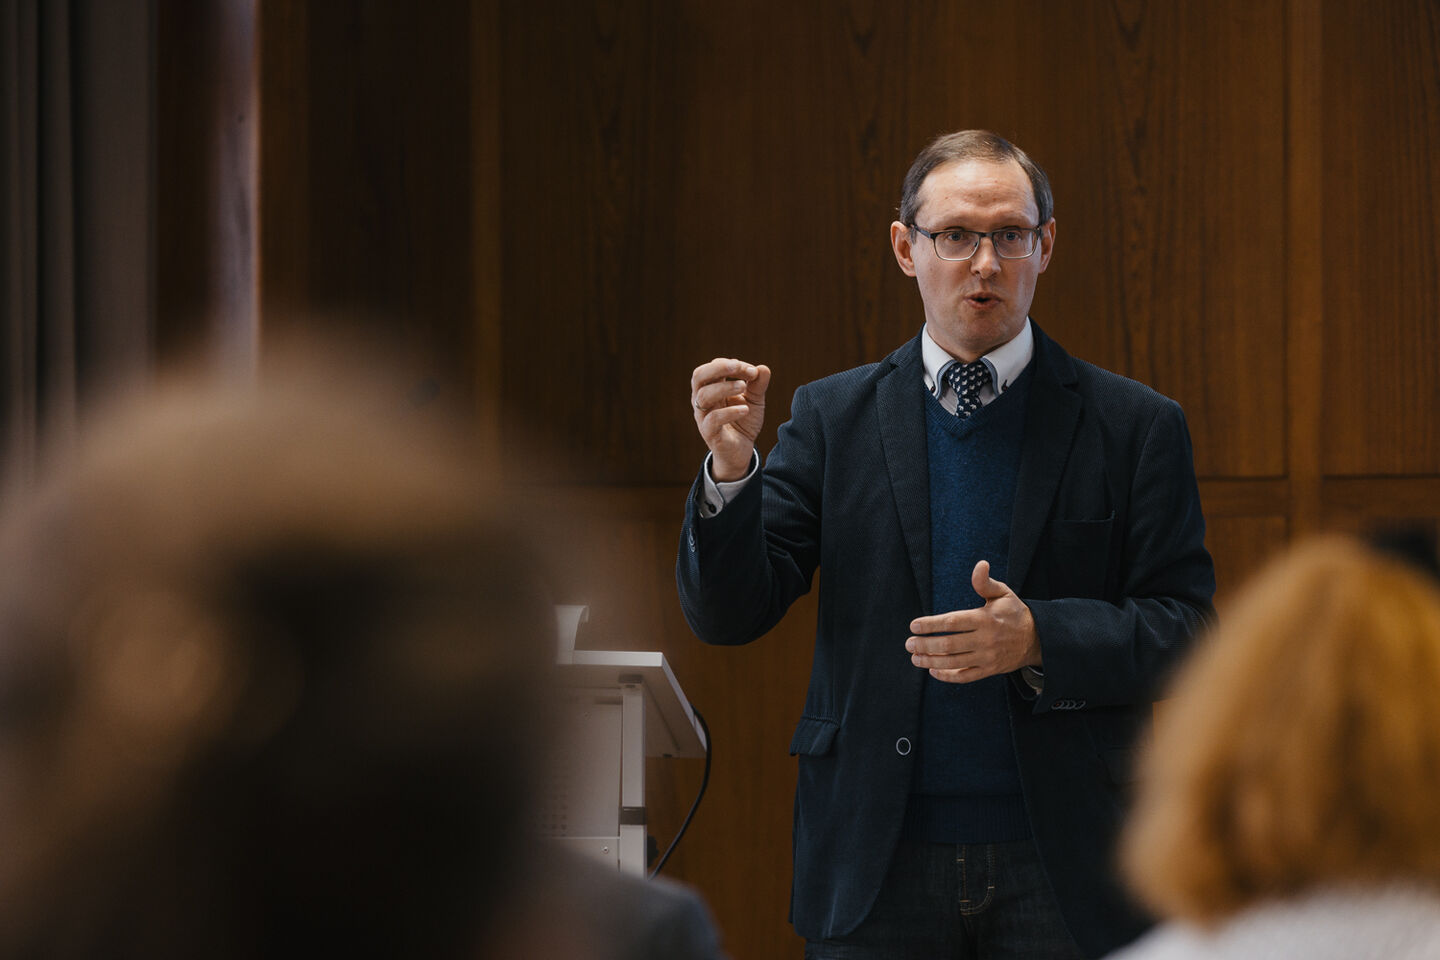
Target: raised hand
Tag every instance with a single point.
(728, 398)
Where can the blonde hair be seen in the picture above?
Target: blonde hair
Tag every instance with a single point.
(1303, 744)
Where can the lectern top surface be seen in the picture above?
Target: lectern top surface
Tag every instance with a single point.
(671, 729)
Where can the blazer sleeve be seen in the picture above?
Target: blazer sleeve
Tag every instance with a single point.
(1120, 649)
(739, 571)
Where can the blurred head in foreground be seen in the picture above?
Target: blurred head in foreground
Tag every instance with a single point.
(1302, 749)
(268, 669)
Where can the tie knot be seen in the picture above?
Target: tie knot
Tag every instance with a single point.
(966, 379)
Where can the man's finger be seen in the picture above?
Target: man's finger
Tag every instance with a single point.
(944, 659)
(718, 395)
(758, 384)
(952, 644)
(985, 585)
(963, 675)
(721, 368)
(954, 622)
(727, 383)
(712, 419)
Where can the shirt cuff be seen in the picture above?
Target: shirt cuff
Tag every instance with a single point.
(1034, 677)
(716, 494)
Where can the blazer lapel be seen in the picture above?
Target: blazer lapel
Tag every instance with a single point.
(901, 413)
(1051, 417)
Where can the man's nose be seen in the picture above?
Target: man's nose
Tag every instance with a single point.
(985, 262)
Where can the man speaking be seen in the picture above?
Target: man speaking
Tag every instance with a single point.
(1014, 560)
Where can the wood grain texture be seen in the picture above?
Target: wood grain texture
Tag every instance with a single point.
(1351, 503)
(366, 173)
(1305, 300)
(285, 227)
(1241, 546)
(1381, 236)
(1225, 497)
(1168, 160)
(697, 184)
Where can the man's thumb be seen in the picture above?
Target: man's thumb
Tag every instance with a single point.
(755, 390)
(985, 586)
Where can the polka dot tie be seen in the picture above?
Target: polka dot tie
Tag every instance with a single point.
(966, 379)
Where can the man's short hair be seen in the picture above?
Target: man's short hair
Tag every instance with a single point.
(973, 145)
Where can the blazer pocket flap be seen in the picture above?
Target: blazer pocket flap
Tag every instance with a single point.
(813, 736)
(1083, 536)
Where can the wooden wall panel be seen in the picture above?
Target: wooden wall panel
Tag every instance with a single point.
(1240, 546)
(1304, 256)
(715, 217)
(285, 227)
(365, 171)
(1358, 503)
(1161, 126)
(1381, 233)
(693, 184)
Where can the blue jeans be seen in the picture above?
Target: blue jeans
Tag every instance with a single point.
(969, 902)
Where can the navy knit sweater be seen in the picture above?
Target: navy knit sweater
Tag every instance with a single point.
(967, 785)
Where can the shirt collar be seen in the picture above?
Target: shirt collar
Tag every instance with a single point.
(1006, 362)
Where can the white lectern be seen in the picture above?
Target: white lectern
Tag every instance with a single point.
(621, 706)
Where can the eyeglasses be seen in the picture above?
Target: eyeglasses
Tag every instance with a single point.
(1010, 243)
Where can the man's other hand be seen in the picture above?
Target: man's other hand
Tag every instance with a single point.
(967, 645)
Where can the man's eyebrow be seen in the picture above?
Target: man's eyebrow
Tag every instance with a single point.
(1017, 225)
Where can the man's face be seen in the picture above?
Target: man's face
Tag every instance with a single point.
(975, 305)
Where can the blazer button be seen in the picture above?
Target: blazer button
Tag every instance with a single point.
(902, 746)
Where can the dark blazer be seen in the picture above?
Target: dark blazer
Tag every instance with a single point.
(1106, 548)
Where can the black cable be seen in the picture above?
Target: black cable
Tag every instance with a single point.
(704, 782)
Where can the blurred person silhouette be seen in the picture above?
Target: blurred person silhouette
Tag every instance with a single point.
(271, 664)
(589, 909)
(1290, 803)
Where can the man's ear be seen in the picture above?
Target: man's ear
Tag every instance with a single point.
(1047, 244)
(904, 249)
